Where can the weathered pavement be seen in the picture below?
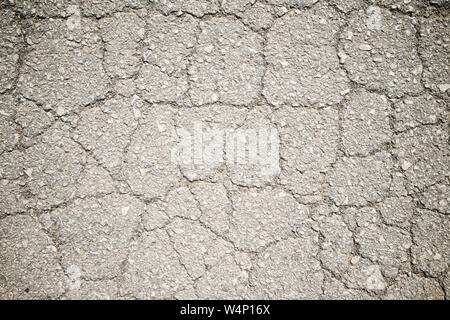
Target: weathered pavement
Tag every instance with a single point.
(93, 94)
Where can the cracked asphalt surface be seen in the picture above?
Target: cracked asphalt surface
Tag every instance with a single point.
(92, 94)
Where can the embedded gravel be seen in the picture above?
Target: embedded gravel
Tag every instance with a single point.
(350, 200)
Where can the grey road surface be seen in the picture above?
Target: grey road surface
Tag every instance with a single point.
(229, 149)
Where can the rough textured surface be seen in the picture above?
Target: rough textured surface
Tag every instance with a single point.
(227, 63)
(434, 51)
(122, 56)
(85, 230)
(359, 181)
(369, 57)
(415, 288)
(431, 241)
(168, 44)
(309, 145)
(423, 155)
(9, 136)
(365, 125)
(412, 112)
(63, 70)
(10, 45)
(25, 249)
(149, 171)
(197, 8)
(224, 149)
(306, 74)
